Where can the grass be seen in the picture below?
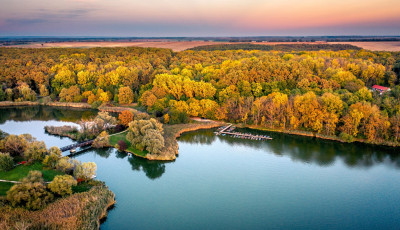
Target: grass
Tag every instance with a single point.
(86, 186)
(122, 136)
(4, 187)
(22, 171)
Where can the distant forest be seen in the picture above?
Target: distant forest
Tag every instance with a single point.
(280, 47)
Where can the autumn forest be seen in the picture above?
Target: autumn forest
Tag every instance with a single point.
(324, 92)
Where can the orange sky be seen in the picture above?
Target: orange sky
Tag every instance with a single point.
(199, 17)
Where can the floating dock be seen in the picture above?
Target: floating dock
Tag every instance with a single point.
(229, 130)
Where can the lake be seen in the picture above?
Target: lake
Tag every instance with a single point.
(219, 182)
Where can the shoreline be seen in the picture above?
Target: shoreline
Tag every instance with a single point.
(322, 137)
(172, 132)
(117, 109)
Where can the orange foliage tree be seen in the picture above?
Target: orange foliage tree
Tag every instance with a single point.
(125, 117)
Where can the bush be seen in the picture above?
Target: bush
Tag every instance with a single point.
(62, 185)
(122, 145)
(31, 193)
(346, 137)
(101, 141)
(6, 162)
(118, 128)
(95, 104)
(51, 160)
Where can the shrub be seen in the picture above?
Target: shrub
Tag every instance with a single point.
(55, 150)
(53, 157)
(6, 162)
(95, 104)
(346, 137)
(122, 145)
(31, 193)
(51, 160)
(102, 140)
(62, 185)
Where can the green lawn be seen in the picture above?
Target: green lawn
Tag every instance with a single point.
(122, 136)
(4, 187)
(22, 171)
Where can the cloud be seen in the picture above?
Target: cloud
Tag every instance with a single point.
(25, 21)
(60, 14)
(42, 16)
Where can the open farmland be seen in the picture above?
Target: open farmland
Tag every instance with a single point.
(374, 46)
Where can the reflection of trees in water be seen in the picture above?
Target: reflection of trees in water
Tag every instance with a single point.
(206, 137)
(152, 169)
(306, 149)
(18, 114)
(44, 113)
(104, 152)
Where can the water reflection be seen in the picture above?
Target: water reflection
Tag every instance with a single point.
(152, 169)
(307, 150)
(44, 113)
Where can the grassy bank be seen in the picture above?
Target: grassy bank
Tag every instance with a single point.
(22, 171)
(122, 136)
(78, 211)
(172, 132)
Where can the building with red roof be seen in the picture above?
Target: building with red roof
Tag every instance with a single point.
(380, 89)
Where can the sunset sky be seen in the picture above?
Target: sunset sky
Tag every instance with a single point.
(198, 17)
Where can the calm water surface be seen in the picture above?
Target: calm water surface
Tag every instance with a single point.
(225, 183)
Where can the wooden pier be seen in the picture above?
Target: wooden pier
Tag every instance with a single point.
(229, 130)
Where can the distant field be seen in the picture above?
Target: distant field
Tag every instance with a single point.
(374, 46)
(183, 45)
(287, 47)
(174, 45)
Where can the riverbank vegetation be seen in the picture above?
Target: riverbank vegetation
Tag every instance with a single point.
(78, 211)
(323, 92)
(34, 176)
